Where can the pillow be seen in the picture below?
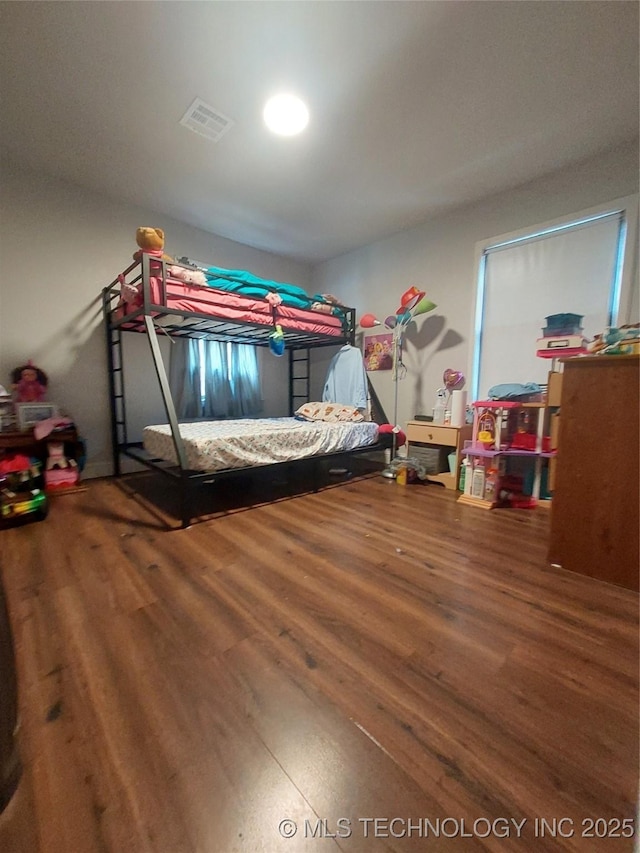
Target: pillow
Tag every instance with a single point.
(328, 412)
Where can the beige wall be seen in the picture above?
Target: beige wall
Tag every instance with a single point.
(438, 257)
(59, 246)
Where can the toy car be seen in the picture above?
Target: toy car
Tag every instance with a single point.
(19, 496)
(13, 505)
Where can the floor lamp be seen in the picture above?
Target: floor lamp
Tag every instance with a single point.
(413, 302)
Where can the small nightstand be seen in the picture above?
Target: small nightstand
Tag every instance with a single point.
(452, 438)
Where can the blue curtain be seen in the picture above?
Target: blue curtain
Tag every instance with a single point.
(218, 393)
(215, 379)
(184, 377)
(246, 394)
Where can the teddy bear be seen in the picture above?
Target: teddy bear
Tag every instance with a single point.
(151, 241)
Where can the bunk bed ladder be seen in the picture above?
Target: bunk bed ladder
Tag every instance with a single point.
(299, 378)
(116, 395)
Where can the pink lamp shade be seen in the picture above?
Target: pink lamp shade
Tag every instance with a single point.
(368, 321)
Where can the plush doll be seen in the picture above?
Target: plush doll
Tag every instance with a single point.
(151, 242)
(276, 340)
(59, 472)
(56, 458)
(29, 383)
(188, 276)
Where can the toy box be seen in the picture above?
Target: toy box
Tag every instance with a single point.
(60, 478)
(20, 493)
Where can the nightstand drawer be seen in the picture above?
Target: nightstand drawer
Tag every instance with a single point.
(425, 433)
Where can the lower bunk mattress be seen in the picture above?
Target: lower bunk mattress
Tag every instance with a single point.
(221, 445)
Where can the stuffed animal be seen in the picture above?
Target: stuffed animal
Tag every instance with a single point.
(151, 242)
(56, 457)
(188, 276)
(59, 472)
(29, 383)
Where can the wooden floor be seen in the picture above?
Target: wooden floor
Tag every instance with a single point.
(371, 651)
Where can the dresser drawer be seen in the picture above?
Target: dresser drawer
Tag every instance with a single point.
(428, 434)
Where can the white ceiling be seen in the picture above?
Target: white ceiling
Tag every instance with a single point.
(416, 107)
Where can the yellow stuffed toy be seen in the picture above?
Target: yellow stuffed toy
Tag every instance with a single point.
(151, 241)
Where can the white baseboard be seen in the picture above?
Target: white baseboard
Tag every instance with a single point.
(93, 470)
(96, 469)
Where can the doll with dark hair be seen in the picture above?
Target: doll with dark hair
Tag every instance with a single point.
(29, 383)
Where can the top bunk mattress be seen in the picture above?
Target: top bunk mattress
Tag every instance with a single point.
(236, 308)
(221, 445)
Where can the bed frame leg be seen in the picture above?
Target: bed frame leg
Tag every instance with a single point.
(185, 503)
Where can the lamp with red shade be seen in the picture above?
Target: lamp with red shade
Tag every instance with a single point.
(413, 302)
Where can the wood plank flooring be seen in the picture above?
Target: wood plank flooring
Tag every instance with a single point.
(366, 652)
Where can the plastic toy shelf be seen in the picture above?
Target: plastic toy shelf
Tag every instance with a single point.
(555, 354)
(521, 502)
(504, 430)
(470, 450)
(560, 353)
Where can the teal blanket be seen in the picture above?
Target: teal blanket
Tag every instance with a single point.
(239, 281)
(247, 284)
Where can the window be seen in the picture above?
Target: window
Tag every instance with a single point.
(580, 266)
(215, 379)
(231, 366)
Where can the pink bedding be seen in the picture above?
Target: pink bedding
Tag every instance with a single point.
(231, 306)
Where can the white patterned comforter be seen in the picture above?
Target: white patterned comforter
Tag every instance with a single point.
(218, 445)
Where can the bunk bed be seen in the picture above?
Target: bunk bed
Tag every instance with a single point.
(155, 297)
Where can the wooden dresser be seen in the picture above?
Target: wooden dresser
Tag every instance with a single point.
(25, 442)
(594, 512)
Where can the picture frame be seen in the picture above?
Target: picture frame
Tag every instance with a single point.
(29, 414)
(7, 413)
(378, 352)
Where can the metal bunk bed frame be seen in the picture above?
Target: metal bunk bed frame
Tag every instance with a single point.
(150, 318)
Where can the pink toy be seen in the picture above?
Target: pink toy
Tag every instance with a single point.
(188, 276)
(56, 458)
(129, 292)
(14, 462)
(59, 471)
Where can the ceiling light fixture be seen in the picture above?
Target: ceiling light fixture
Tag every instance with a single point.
(286, 115)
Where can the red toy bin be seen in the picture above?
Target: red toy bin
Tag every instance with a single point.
(60, 478)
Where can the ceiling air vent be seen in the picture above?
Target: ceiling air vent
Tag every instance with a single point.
(206, 120)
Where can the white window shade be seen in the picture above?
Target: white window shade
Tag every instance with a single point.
(573, 270)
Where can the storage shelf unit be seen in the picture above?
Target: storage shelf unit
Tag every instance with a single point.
(501, 429)
(470, 450)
